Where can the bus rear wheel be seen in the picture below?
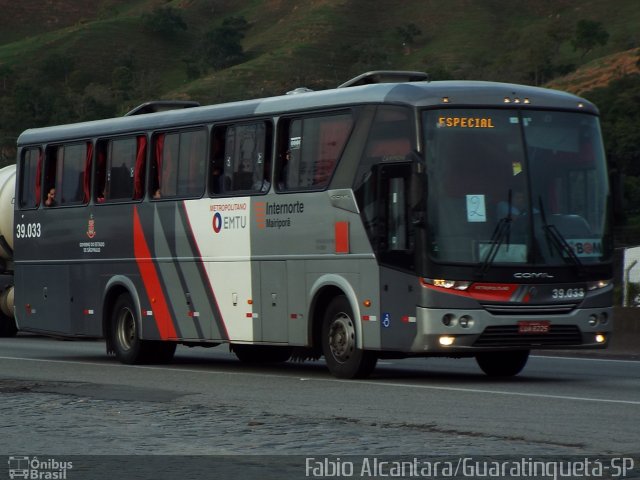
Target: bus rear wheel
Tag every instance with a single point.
(502, 364)
(125, 338)
(339, 342)
(8, 327)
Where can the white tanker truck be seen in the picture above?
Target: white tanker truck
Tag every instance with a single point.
(7, 189)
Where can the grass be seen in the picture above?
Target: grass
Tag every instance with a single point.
(290, 42)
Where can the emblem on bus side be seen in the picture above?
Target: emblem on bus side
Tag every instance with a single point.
(91, 229)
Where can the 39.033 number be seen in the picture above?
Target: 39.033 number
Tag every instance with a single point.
(28, 230)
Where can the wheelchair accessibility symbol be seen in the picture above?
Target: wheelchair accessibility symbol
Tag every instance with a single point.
(386, 320)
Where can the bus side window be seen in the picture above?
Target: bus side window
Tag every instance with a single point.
(121, 161)
(242, 165)
(30, 173)
(50, 169)
(216, 177)
(178, 165)
(191, 163)
(66, 172)
(309, 150)
(100, 174)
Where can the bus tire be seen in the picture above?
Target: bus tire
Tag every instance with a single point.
(339, 342)
(502, 364)
(127, 345)
(8, 327)
(261, 353)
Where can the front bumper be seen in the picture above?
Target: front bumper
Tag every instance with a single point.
(485, 331)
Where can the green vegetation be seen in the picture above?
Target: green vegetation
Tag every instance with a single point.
(100, 59)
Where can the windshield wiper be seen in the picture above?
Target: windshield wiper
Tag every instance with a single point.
(556, 238)
(502, 231)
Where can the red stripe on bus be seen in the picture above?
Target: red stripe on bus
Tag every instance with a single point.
(342, 237)
(151, 281)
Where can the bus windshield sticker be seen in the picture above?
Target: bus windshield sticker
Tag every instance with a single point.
(586, 247)
(517, 168)
(294, 143)
(476, 211)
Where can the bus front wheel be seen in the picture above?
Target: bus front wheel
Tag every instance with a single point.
(339, 342)
(502, 364)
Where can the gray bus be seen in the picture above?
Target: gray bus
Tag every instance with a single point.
(390, 217)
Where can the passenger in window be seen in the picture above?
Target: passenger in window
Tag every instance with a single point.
(263, 185)
(50, 201)
(157, 194)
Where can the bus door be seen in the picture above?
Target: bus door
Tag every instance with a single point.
(396, 254)
(273, 279)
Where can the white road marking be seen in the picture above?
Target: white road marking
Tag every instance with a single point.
(585, 359)
(354, 382)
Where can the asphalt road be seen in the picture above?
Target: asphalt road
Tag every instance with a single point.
(68, 397)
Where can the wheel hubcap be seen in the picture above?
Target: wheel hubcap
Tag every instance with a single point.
(342, 337)
(126, 329)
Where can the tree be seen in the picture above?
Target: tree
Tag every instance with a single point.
(407, 34)
(6, 73)
(122, 82)
(589, 34)
(222, 46)
(57, 67)
(165, 21)
(620, 116)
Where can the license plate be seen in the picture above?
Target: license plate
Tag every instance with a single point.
(533, 327)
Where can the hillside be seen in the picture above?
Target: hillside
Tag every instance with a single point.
(68, 60)
(290, 43)
(600, 72)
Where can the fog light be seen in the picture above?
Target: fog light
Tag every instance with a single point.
(604, 318)
(465, 321)
(449, 320)
(600, 338)
(446, 340)
(593, 320)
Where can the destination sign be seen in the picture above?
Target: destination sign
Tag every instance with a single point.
(465, 122)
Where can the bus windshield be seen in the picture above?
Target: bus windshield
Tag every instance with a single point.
(515, 187)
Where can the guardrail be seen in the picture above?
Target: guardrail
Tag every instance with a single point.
(626, 331)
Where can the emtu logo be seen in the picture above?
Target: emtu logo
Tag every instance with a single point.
(229, 216)
(217, 222)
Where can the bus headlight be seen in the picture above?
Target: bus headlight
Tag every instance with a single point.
(449, 320)
(601, 338)
(598, 284)
(465, 321)
(446, 340)
(448, 284)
